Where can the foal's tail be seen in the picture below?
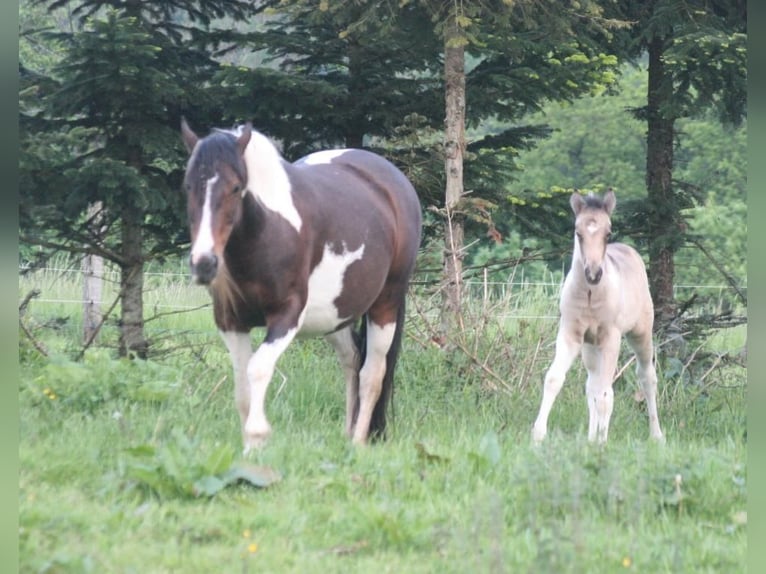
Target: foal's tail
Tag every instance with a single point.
(378, 420)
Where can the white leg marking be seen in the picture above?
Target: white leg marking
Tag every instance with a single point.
(260, 369)
(566, 352)
(348, 355)
(204, 244)
(240, 351)
(379, 341)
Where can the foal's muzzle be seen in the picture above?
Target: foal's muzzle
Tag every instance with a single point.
(204, 270)
(591, 278)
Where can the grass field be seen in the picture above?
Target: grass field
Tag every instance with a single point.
(122, 461)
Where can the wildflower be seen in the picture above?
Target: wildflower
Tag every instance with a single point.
(626, 562)
(246, 533)
(252, 548)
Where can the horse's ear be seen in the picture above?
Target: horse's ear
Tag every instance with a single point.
(189, 137)
(610, 201)
(244, 137)
(577, 202)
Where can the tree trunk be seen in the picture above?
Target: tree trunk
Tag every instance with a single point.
(454, 148)
(665, 224)
(132, 341)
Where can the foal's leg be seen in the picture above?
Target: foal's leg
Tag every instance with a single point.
(567, 348)
(601, 364)
(379, 339)
(647, 375)
(349, 358)
(240, 351)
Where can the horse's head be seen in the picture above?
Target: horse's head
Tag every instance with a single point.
(593, 227)
(215, 183)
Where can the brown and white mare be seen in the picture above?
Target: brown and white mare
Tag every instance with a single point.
(605, 296)
(305, 248)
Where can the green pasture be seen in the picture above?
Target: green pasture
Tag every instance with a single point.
(123, 464)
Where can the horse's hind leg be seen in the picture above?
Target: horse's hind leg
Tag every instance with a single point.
(647, 376)
(348, 356)
(567, 348)
(380, 337)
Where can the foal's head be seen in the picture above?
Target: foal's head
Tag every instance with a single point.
(215, 182)
(593, 227)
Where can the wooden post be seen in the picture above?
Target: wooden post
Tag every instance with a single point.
(93, 281)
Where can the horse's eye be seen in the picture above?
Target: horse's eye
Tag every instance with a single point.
(236, 189)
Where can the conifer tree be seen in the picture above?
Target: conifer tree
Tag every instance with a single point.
(102, 127)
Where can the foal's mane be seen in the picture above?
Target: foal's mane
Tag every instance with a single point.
(593, 201)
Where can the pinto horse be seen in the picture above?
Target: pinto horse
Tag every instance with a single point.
(605, 296)
(308, 248)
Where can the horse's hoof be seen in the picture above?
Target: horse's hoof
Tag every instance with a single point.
(359, 439)
(538, 436)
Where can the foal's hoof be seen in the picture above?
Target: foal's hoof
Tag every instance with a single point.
(658, 438)
(538, 436)
(255, 441)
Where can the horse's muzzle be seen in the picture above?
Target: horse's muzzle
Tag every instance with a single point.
(205, 269)
(591, 278)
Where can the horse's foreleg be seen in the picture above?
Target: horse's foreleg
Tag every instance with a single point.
(379, 340)
(240, 351)
(601, 363)
(647, 377)
(348, 356)
(566, 352)
(260, 370)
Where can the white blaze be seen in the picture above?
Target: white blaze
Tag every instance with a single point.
(203, 244)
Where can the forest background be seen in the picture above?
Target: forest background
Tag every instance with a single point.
(554, 98)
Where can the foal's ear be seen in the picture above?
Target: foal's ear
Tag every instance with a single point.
(610, 201)
(189, 137)
(244, 137)
(577, 202)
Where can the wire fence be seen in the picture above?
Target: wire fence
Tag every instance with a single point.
(157, 280)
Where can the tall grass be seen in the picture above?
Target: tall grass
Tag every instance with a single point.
(456, 486)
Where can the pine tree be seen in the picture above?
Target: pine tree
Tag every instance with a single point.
(697, 61)
(101, 128)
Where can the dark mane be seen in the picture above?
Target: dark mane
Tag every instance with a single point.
(593, 201)
(218, 147)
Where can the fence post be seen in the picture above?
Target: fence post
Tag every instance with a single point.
(93, 274)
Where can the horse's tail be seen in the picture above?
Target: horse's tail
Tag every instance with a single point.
(378, 420)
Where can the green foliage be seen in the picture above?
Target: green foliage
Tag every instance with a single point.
(596, 143)
(99, 379)
(99, 122)
(179, 468)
